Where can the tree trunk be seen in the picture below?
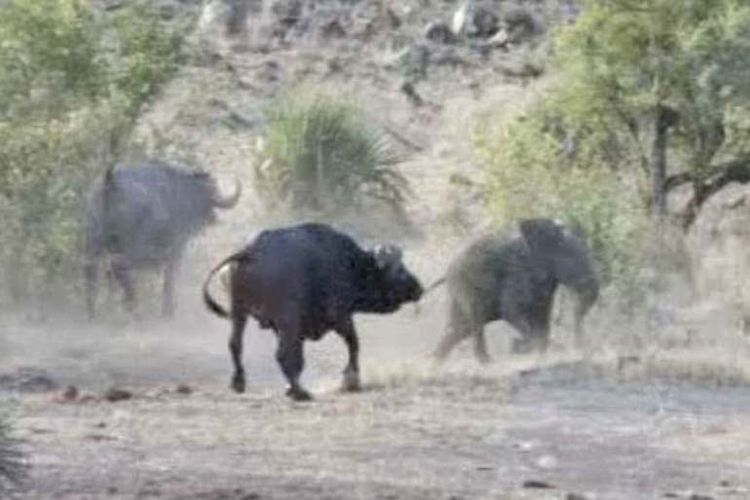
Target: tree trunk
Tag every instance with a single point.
(659, 162)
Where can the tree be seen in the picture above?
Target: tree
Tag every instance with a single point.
(670, 79)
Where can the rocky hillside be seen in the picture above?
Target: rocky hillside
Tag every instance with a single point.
(426, 71)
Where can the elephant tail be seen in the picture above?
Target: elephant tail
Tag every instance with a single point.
(435, 284)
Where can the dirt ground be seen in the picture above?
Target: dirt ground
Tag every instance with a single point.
(552, 427)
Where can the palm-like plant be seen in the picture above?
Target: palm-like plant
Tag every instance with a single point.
(321, 154)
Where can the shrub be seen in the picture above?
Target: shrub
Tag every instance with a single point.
(148, 52)
(321, 154)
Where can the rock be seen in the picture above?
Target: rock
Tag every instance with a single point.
(184, 389)
(521, 24)
(393, 20)
(332, 29)
(115, 394)
(411, 93)
(574, 496)
(287, 12)
(485, 22)
(478, 20)
(499, 39)
(537, 485)
(70, 393)
(439, 32)
(717, 246)
(547, 462)
(461, 18)
(416, 61)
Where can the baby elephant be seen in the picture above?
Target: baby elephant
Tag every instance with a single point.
(514, 279)
(304, 281)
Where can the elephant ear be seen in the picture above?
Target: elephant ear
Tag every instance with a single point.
(542, 234)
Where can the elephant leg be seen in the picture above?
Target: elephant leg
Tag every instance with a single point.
(459, 328)
(290, 357)
(528, 339)
(122, 274)
(351, 372)
(480, 347)
(239, 320)
(586, 299)
(168, 301)
(91, 273)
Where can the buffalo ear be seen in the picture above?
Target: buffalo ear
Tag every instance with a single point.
(541, 234)
(387, 255)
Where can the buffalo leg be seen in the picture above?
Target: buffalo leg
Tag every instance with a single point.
(291, 359)
(458, 329)
(168, 303)
(91, 272)
(235, 348)
(351, 372)
(480, 347)
(121, 272)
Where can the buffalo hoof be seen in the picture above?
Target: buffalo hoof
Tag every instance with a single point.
(484, 359)
(298, 394)
(238, 384)
(351, 382)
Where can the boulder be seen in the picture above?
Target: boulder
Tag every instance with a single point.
(718, 242)
(439, 32)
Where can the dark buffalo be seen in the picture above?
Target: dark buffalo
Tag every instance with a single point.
(514, 278)
(142, 217)
(304, 281)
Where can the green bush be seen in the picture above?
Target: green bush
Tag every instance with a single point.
(543, 167)
(322, 155)
(50, 55)
(72, 81)
(148, 52)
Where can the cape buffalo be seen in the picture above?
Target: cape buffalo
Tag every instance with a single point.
(143, 216)
(304, 281)
(515, 279)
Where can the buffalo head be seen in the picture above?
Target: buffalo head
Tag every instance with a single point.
(393, 284)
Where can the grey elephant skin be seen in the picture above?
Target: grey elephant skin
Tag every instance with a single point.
(514, 278)
(143, 217)
(302, 282)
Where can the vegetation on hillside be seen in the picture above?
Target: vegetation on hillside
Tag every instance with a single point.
(72, 81)
(322, 155)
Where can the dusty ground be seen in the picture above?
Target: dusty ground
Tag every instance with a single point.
(598, 428)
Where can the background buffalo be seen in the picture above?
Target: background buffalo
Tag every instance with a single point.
(143, 216)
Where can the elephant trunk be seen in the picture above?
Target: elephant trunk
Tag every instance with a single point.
(587, 293)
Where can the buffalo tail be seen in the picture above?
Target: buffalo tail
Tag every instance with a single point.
(212, 305)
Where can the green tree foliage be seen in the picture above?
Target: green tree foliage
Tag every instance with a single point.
(72, 80)
(669, 77)
(322, 155)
